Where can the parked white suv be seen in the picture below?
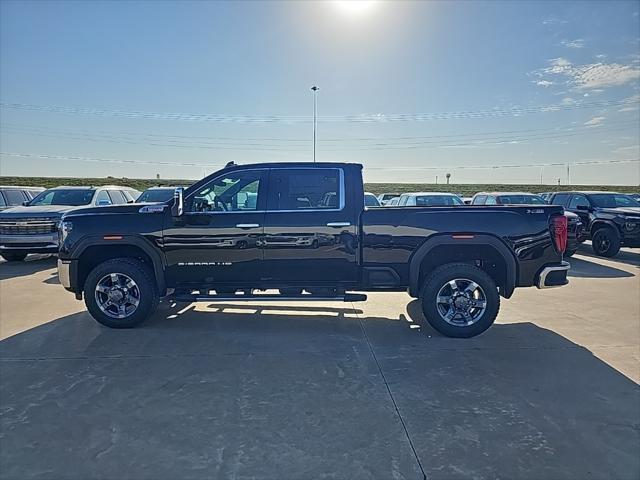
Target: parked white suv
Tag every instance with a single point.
(33, 228)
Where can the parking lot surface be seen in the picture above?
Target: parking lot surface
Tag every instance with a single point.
(329, 390)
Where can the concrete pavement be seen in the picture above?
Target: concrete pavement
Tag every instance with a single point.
(334, 390)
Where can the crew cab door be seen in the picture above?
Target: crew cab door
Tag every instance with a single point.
(580, 200)
(216, 240)
(310, 228)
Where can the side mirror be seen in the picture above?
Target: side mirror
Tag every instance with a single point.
(25, 203)
(585, 208)
(177, 209)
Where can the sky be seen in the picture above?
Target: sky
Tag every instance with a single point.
(490, 92)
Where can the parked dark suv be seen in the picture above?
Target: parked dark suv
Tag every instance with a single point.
(611, 219)
(575, 227)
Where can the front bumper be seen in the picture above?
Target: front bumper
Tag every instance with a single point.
(45, 243)
(631, 239)
(68, 274)
(553, 275)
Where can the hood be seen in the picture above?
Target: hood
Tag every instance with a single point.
(38, 211)
(126, 208)
(633, 211)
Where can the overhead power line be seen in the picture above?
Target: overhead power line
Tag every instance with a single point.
(464, 140)
(289, 119)
(408, 168)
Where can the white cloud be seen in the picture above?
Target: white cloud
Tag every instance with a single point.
(595, 122)
(591, 76)
(601, 56)
(577, 43)
(567, 101)
(553, 20)
(544, 83)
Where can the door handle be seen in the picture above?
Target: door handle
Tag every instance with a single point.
(338, 224)
(247, 225)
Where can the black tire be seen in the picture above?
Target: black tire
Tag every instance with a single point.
(14, 256)
(439, 278)
(570, 253)
(140, 274)
(605, 242)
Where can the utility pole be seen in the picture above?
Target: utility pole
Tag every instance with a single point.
(315, 118)
(448, 177)
(568, 176)
(436, 179)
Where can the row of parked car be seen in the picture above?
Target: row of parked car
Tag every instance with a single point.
(609, 219)
(30, 215)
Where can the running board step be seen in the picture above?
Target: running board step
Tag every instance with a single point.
(348, 297)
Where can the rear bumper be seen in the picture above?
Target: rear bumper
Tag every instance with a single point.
(47, 243)
(553, 275)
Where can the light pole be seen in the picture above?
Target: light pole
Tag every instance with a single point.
(315, 118)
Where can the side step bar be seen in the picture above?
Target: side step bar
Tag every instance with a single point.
(247, 297)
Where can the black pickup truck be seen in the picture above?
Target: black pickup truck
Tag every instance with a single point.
(302, 229)
(611, 220)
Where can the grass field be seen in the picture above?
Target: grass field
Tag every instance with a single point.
(377, 188)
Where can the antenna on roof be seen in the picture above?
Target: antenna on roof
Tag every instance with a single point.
(230, 164)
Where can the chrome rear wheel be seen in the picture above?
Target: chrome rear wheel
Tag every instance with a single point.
(461, 302)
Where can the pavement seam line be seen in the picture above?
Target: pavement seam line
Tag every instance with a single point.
(393, 400)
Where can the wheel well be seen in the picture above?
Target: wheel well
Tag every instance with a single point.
(598, 225)
(96, 254)
(485, 257)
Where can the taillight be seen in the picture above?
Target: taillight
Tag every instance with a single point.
(560, 232)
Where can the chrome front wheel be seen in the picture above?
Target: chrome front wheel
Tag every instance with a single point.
(117, 295)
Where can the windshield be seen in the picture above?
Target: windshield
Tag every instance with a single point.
(521, 200)
(613, 200)
(72, 197)
(156, 195)
(438, 200)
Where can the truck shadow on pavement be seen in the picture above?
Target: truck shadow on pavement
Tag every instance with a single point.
(220, 391)
(623, 256)
(586, 269)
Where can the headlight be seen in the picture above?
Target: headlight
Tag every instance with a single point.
(64, 229)
(629, 226)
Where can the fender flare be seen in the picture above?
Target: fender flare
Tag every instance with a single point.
(596, 224)
(127, 240)
(445, 239)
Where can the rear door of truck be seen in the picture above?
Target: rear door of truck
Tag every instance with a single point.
(310, 230)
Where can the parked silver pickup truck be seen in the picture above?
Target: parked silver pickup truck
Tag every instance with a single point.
(33, 227)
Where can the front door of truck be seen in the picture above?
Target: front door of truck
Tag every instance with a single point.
(216, 240)
(309, 235)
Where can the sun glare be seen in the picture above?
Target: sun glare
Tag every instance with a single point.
(354, 7)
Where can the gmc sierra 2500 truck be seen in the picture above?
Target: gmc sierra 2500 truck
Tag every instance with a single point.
(303, 229)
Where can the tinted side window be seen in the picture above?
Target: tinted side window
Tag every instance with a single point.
(233, 192)
(491, 200)
(560, 199)
(578, 200)
(306, 189)
(117, 197)
(103, 198)
(403, 200)
(14, 197)
(479, 200)
(2, 202)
